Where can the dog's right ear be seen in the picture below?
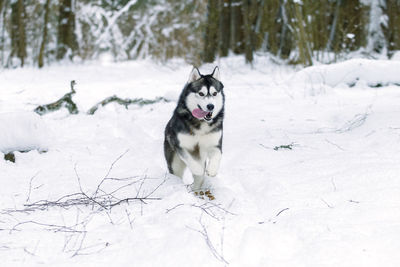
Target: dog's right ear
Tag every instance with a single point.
(194, 75)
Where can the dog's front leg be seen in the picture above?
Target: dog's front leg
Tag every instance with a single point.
(214, 157)
(195, 166)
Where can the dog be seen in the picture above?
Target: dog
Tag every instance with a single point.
(193, 135)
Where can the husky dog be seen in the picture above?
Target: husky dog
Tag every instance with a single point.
(193, 136)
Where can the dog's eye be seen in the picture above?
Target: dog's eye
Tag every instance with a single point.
(215, 94)
(201, 94)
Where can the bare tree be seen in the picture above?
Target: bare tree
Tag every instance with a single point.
(18, 37)
(66, 38)
(3, 18)
(392, 28)
(44, 38)
(248, 33)
(211, 32)
(332, 31)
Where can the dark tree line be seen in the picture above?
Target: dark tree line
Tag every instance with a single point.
(306, 29)
(38, 32)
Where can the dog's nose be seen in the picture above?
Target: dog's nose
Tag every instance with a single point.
(210, 107)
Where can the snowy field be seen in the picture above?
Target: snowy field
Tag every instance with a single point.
(310, 173)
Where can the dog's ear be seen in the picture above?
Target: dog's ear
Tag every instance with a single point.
(215, 73)
(194, 75)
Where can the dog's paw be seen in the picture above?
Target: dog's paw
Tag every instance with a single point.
(211, 173)
(212, 170)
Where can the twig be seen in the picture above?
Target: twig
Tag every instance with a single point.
(209, 243)
(279, 213)
(354, 201)
(80, 245)
(92, 200)
(336, 145)
(334, 185)
(50, 227)
(289, 147)
(108, 172)
(176, 206)
(30, 186)
(129, 218)
(329, 206)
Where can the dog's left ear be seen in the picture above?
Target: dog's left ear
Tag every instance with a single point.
(194, 75)
(215, 73)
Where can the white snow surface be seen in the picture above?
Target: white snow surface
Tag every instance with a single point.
(331, 200)
(22, 131)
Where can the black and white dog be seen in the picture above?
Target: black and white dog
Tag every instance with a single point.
(193, 136)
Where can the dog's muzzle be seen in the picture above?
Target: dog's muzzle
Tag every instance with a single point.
(201, 114)
(208, 117)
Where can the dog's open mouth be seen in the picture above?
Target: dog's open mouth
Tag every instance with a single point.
(201, 114)
(208, 117)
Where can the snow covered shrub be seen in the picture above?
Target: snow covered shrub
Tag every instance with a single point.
(138, 29)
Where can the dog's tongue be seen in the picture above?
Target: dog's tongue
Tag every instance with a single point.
(198, 113)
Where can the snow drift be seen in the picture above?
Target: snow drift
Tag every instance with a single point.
(22, 131)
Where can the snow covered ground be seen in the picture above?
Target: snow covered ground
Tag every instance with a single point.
(333, 199)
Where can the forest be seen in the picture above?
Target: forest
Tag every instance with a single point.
(309, 170)
(38, 33)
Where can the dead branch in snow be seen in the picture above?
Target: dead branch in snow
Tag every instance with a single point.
(30, 187)
(336, 145)
(204, 232)
(357, 121)
(49, 227)
(214, 210)
(100, 198)
(125, 102)
(104, 201)
(279, 213)
(65, 101)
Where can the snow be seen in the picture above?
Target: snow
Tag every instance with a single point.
(331, 200)
(371, 72)
(22, 131)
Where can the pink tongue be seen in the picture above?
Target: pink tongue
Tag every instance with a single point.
(198, 113)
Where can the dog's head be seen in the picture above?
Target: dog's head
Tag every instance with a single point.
(205, 97)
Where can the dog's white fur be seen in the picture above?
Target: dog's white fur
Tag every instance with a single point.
(207, 144)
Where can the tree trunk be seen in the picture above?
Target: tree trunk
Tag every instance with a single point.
(236, 44)
(392, 29)
(44, 40)
(285, 42)
(3, 9)
(332, 32)
(224, 27)
(248, 32)
(66, 38)
(232, 25)
(376, 39)
(302, 40)
(18, 37)
(211, 32)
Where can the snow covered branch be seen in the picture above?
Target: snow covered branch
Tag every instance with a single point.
(65, 101)
(125, 102)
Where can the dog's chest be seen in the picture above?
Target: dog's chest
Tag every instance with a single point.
(202, 138)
